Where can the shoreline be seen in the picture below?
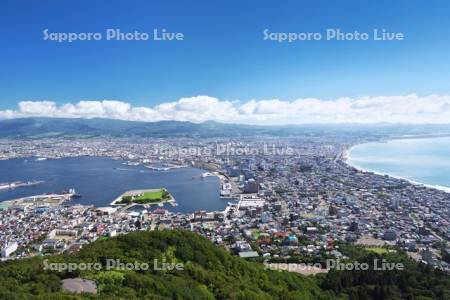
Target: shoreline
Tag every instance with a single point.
(171, 204)
(346, 157)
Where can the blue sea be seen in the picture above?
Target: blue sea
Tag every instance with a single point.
(424, 160)
(101, 180)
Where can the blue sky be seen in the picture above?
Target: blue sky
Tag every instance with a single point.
(223, 54)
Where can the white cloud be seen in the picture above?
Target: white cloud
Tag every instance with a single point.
(39, 107)
(393, 109)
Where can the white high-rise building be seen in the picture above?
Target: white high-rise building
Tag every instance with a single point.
(9, 249)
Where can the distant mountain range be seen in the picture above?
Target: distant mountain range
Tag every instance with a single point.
(57, 127)
(47, 127)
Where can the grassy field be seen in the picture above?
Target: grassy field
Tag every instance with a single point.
(378, 250)
(156, 195)
(151, 196)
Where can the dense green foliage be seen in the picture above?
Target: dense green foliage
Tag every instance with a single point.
(416, 281)
(209, 272)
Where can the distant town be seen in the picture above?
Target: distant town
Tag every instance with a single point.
(300, 199)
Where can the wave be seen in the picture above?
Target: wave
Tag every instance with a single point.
(346, 157)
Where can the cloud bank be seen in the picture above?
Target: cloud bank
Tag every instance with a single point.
(432, 109)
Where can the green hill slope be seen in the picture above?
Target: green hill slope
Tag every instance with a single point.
(209, 272)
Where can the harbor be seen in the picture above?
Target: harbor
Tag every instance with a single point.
(43, 200)
(111, 178)
(228, 187)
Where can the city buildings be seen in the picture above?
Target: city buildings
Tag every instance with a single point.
(295, 205)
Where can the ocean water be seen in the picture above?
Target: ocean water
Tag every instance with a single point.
(425, 160)
(101, 180)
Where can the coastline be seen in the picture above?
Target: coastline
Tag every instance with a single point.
(346, 158)
(184, 202)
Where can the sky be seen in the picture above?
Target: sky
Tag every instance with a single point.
(224, 69)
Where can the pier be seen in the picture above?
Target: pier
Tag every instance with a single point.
(18, 184)
(42, 200)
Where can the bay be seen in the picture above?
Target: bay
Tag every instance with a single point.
(421, 160)
(100, 180)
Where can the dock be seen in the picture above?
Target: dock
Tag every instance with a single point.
(18, 184)
(41, 200)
